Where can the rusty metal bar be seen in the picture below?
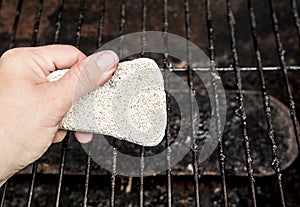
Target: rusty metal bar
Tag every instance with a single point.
(296, 18)
(165, 31)
(32, 183)
(2, 193)
(266, 100)
(144, 20)
(191, 102)
(283, 65)
(100, 24)
(142, 149)
(58, 21)
(113, 176)
(242, 113)
(79, 23)
(37, 22)
(142, 167)
(242, 69)
(15, 25)
(168, 138)
(122, 25)
(87, 174)
(221, 154)
(64, 147)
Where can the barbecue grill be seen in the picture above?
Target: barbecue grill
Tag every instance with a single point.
(254, 46)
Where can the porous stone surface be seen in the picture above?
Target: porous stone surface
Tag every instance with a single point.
(131, 106)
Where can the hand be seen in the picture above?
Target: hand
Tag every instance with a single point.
(31, 108)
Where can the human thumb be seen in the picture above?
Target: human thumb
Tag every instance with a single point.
(84, 77)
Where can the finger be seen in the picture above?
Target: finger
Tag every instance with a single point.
(58, 57)
(83, 137)
(46, 58)
(59, 136)
(83, 77)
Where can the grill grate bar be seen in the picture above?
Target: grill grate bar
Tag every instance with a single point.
(168, 143)
(142, 149)
(296, 17)
(58, 21)
(122, 18)
(266, 102)
(242, 69)
(213, 74)
(64, 147)
(242, 112)
(87, 175)
(166, 67)
(31, 187)
(142, 163)
(3, 191)
(191, 102)
(283, 65)
(113, 176)
(79, 23)
(144, 19)
(100, 25)
(37, 22)
(15, 25)
(122, 25)
(165, 30)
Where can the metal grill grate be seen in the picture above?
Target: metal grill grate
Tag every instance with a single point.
(166, 6)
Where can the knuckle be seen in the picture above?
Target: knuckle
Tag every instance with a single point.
(10, 53)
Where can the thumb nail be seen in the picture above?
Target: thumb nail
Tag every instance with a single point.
(106, 60)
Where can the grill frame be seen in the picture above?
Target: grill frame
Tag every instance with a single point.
(284, 68)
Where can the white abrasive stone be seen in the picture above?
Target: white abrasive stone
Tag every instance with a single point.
(131, 106)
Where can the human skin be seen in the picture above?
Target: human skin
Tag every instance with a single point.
(32, 108)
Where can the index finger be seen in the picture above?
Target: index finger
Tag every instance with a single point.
(47, 58)
(59, 56)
